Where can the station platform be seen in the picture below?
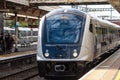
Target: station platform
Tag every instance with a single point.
(109, 69)
(16, 55)
(22, 52)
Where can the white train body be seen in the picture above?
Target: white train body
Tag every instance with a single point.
(56, 57)
(25, 34)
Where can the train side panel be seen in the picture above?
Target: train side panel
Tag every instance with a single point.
(106, 36)
(39, 46)
(88, 44)
(96, 39)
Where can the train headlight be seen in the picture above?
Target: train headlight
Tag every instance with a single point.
(47, 53)
(75, 54)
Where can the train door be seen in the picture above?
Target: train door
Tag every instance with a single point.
(92, 37)
(97, 37)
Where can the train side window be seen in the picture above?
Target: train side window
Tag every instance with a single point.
(91, 27)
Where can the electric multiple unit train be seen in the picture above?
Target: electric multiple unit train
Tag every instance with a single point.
(25, 34)
(68, 39)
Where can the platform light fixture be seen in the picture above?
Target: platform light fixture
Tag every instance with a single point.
(26, 18)
(6, 16)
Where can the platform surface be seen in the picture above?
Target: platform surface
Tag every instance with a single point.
(17, 54)
(109, 69)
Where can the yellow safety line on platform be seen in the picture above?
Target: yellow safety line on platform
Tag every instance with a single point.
(118, 76)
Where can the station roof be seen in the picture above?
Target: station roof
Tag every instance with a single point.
(66, 2)
(35, 8)
(22, 2)
(23, 7)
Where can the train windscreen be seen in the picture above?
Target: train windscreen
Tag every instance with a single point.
(63, 29)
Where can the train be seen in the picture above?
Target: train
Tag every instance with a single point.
(24, 34)
(69, 39)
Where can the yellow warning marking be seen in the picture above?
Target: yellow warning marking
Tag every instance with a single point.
(118, 76)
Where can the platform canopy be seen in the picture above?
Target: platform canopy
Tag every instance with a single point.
(40, 7)
(66, 2)
(23, 7)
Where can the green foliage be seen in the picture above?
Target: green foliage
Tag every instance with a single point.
(36, 23)
(11, 23)
(23, 24)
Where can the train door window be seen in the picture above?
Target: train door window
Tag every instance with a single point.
(29, 33)
(35, 33)
(91, 27)
(119, 33)
(97, 28)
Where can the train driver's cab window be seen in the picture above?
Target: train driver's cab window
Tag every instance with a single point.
(64, 28)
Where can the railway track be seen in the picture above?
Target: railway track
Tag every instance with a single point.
(29, 71)
(89, 66)
(18, 68)
(21, 75)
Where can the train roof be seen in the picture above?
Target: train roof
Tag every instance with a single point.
(35, 29)
(63, 10)
(24, 29)
(8, 28)
(76, 11)
(105, 22)
(21, 28)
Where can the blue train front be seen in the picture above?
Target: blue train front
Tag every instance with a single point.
(59, 43)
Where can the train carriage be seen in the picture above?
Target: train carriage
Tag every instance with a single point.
(25, 35)
(68, 39)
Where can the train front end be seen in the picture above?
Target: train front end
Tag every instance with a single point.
(59, 43)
